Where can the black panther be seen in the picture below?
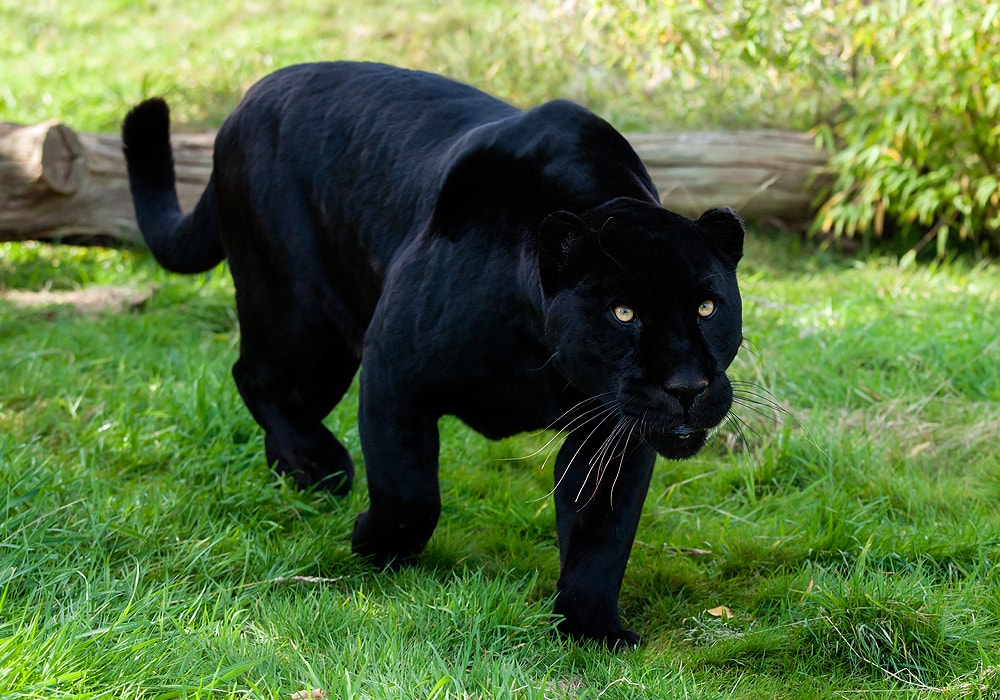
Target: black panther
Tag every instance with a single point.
(512, 268)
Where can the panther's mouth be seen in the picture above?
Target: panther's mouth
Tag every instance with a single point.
(674, 430)
(678, 443)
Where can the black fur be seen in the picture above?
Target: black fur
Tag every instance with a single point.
(178, 242)
(480, 259)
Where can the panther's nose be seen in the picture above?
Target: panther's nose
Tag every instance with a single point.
(686, 386)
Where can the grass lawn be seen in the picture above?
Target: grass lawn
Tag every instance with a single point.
(846, 546)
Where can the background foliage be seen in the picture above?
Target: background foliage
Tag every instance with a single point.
(904, 92)
(920, 148)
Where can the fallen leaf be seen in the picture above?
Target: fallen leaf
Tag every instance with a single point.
(317, 694)
(721, 611)
(920, 448)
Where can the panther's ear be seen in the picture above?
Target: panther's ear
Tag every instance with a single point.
(559, 235)
(725, 230)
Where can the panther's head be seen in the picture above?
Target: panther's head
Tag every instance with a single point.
(643, 314)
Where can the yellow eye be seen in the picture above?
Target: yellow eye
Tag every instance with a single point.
(706, 309)
(625, 314)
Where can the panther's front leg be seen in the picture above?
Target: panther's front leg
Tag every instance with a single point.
(601, 483)
(400, 445)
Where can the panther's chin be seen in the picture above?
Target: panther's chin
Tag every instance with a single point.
(680, 443)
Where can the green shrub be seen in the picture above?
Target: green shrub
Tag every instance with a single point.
(921, 150)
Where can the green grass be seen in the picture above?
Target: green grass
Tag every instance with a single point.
(147, 551)
(86, 63)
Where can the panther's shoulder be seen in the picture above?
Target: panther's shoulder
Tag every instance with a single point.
(556, 156)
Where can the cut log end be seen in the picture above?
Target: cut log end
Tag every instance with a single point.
(63, 164)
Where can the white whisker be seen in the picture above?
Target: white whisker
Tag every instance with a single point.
(598, 456)
(760, 402)
(579, 449)
(621, 464)
(577, 422)
(604, 415)
(568, 411)
(616, 435)
(741, 427)
(598, 461)
(740, 424)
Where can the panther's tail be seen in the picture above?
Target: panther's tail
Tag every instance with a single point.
(180, 242)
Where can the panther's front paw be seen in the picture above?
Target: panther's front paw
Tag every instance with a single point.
(617, 640)
(383, 552)
(623, 640)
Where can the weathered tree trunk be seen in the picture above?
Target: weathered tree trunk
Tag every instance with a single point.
(773, 176)
(59, 184)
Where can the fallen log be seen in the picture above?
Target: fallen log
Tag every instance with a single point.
(766, 175)
(57, 184)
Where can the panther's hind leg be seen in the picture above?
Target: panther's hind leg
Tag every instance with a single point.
(295, 365)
